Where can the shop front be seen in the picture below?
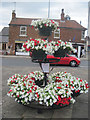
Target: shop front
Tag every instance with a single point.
(79, 47)
(18, 47)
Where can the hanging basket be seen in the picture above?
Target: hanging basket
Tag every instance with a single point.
(61, 52)
(45, 31)
(38, 55)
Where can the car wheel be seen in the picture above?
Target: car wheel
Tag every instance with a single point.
(73, 63)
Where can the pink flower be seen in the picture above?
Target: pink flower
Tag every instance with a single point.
(10, 90)
(17, 95)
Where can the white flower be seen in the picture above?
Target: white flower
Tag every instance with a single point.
(47, 104)
(72, 100)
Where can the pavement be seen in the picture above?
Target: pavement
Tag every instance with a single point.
(11, 110)
(23, 56)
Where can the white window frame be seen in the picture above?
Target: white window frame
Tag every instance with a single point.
(55, 32)
(23, 30)
(82, 35)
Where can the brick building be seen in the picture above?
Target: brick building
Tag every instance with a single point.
(20, 30)
(4, 39)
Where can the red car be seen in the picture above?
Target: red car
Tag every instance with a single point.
(67, 60)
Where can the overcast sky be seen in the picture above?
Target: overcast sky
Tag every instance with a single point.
(76, 9)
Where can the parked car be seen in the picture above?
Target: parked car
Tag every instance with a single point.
(71, 60)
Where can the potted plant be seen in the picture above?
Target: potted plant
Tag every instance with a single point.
(45, 26)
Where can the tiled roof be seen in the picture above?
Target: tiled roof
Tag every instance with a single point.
(4, 35)
(67, 24)
(4, 39)
(5, 31)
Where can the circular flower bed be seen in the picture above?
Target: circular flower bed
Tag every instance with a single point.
(61, 89)
(48, 47)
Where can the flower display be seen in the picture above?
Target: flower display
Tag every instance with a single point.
(60, 90)
(45, 26)
(43, 23)
(48, 47)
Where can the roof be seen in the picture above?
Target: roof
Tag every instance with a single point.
(4, 39)
(5, 31)
(4, 35)
(67, 24)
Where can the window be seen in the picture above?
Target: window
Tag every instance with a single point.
(4, 46)
(23, 31)
(57, 33)
(82, 35)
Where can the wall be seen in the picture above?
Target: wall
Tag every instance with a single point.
(65, 35)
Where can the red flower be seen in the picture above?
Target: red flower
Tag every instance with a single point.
(33, 79)
(33, 83)
(30, 91)
(59, 81)
(78, 90)
(35, 43)
(11, 81)
(66, 91)
(38, 42)
(45, 25)
(80, 80)
(66, 85)
(30, 81)
(26, 77)
(43, 40)
(32, 87)
(32, 27)
(56, 44)
(86, 85)
(35, 88)
(10, 90)
(37, 95)
(52, 21)
(32, 72)
(24, 84)
(58, 87)
(24, 45)
(69, 98)
(14, 76)
(45, 46)
(59, 42)
(59, 98)
(17, 95)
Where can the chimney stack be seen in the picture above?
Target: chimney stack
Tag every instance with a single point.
(62, 15)
(13, 14)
